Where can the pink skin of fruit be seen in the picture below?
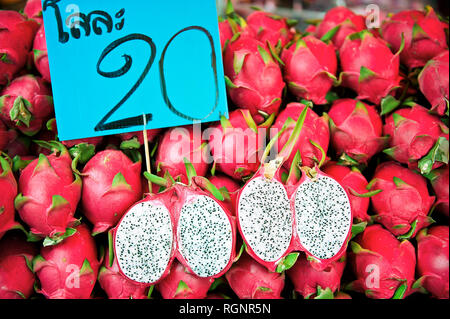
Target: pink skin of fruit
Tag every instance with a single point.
(295, 242)
(18, 144)
(413, 132)
(173, 198)
(16, 278)
(404, 199)
(179, 143)
(26, 104)
(90, 140)
(151, 135)
(348, 21)
(180, 284)
(225, 31)
(235, 145)
(434, 83)
(423, 32)
(315, 129)
(46, 136)
(40, 54)
(356, 129)
(351, 178)
(268, 27)
(68, 270)
(432, 261)
(381, 263)
(8, 185)
(369, 67)
(254, 79)
(111, 184)
(292, 209)
(439, 181)
(232, 187)
(33, 10)
(250, 280)
(51, 125)
(16, 40)
(306, 278)
(49, 194)
(310, 68)
(6, 136)
(117, 286)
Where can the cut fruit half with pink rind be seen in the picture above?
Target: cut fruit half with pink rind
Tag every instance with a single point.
(182, 223)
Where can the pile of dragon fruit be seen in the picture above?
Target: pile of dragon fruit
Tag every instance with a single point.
(353, 202)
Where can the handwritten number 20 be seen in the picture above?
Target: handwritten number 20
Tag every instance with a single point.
(103, 125)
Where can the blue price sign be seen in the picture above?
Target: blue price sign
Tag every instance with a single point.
(114, 61)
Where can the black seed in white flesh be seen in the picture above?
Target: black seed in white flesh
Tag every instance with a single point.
(205, 236)
(323, 215)
(143, 242)
(265, 218)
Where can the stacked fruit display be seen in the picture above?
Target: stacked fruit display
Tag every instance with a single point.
(354, 205)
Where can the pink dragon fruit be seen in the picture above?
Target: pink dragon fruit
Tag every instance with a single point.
(413, 133)
(355, 184)
(40, 54)
(19, 145)
(310, 67)
(90, 140)
(111, 184)
(369, 67)
(253, 78)
(26, 104)
(183, 222)
(356, 130)
(230, 188)
(439, 181)
(423, 34)
(236, 144)
(115, 285)
(232, 25)
(308, 281)
(137, 138)
(338, 23)
(382, 264)
(52, 127)
(432, 261)
(68, 270)
(315, 129)
(33, 10)
(342, 295)
(433, 82)
(181, 284)
(179, 143)
(403, 204)
(16, 277)
(292, 211)
(8, 185)
(16, 39)
(271, 28)
(49, 193)
(250, 280)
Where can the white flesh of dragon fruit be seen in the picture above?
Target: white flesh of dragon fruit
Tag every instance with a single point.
(144, 241)
(205, 236)
(323, 215)
(265, 218)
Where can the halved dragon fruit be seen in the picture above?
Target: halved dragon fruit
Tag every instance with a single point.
(313, 215)
(183, 222)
